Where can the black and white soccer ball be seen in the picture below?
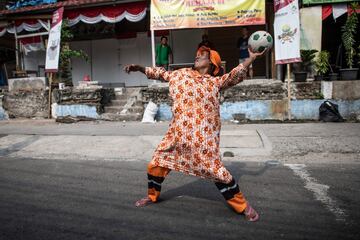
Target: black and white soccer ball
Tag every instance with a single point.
(260, 40)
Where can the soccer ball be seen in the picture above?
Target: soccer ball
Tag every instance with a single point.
(260, 40)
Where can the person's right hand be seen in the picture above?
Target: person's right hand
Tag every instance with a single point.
(131, 68)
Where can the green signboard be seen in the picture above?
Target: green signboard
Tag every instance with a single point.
(309, 2)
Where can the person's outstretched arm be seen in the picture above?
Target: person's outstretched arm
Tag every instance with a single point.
(134, 68)
(156, 73)
(238, 74)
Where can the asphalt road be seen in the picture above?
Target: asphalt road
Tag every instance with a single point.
(307, 187)
(57, 199)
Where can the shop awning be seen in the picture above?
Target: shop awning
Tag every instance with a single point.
(133, 12)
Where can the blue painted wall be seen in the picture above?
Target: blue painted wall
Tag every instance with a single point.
(309, 109)
(254, 110)
(262, 109)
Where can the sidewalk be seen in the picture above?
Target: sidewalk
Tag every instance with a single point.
(131, 141)
(109, 141)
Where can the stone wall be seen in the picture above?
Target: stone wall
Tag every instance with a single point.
(274, 90)
(306, 90)
(27, 84)
(156, 94)
(246, 91)
(346, 90)
(26, 104)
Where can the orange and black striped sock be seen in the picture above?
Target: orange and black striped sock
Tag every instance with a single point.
(154, 187)
(156, 176)
(232, 195)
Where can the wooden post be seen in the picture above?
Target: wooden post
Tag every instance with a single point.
(16, 48)
(153, 48)
(50, 83)
(6, 72)
(289, 92)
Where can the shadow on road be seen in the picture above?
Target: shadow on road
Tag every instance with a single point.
(206, 189)
(18, 146)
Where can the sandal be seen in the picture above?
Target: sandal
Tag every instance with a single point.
(250, 214)
(143, 202)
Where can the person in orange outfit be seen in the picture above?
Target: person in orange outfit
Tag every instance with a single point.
(191, 144)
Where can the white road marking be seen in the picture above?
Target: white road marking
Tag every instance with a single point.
(320, 191)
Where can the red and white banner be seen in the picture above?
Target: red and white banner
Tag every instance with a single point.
(32, 44)
(287, 31)
(53, 46)
(133, 12)
(29, 25)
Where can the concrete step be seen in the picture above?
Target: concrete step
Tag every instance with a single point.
(121, 97)
(121, 117)
(125, 97)
(117, 102)
(122, 103)
(118, 109)
(120, 90)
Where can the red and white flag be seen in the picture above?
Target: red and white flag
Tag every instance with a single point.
(32, 44)
(2, 31)
(287, 31)
(53, 46)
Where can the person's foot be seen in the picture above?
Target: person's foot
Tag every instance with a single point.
(143, 202)
(250, 214)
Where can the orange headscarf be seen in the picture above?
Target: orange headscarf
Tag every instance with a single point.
(214, 58)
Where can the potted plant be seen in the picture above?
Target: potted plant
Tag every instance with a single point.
(349, 31)
(333, 76)
(303, 68)
(322, 65)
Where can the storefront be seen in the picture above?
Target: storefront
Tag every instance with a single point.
(113, 36)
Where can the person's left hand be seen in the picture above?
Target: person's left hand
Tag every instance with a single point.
(254, 55)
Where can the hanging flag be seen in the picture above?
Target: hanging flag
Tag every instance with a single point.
(53, 46)
(336, 10)
(339, 9)
(31, 44)
(287, 31)
(2, 31)
(326, 11)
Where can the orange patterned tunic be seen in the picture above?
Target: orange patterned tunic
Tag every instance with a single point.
(191, 144)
